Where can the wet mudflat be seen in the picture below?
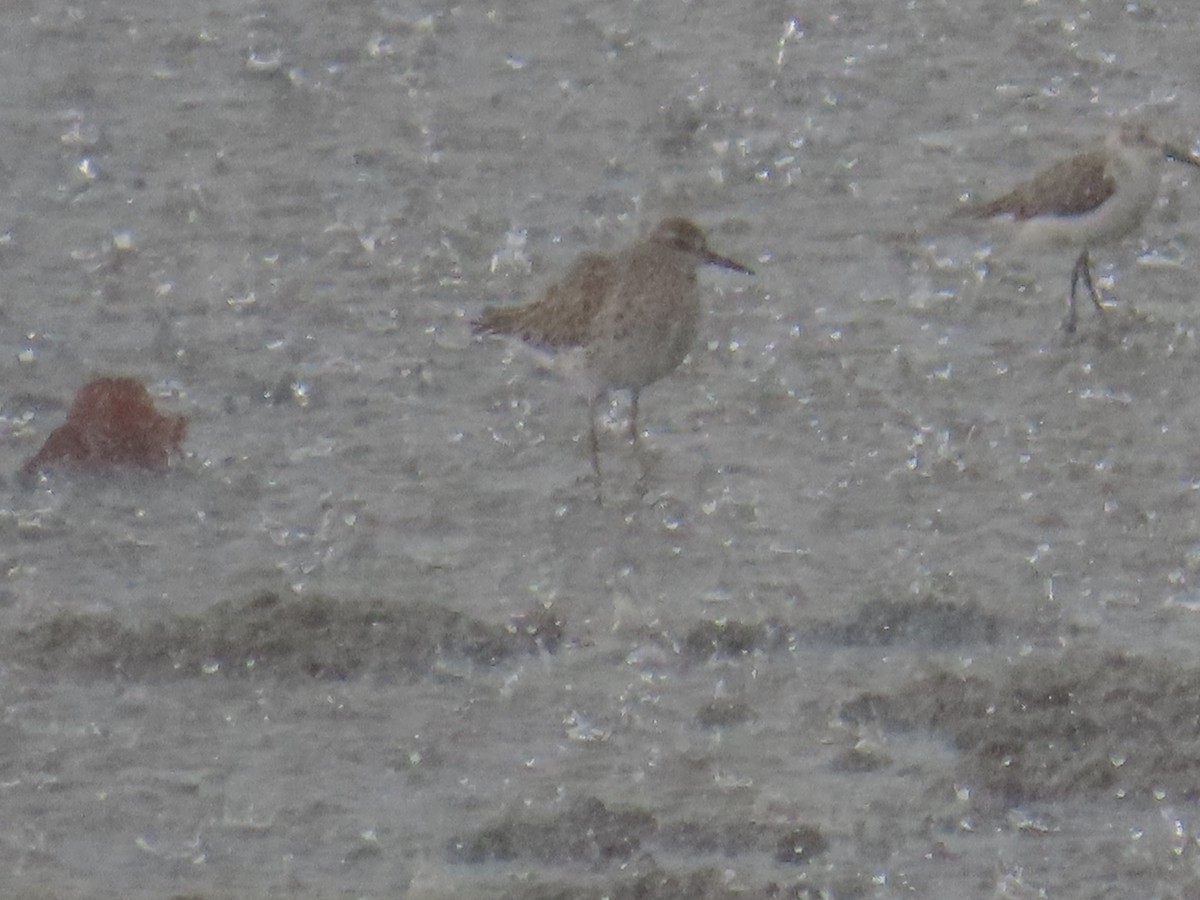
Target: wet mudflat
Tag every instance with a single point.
(898, 599)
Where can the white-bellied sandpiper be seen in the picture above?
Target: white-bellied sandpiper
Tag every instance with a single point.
(1096, 197)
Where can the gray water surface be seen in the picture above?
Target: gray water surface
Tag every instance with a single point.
(900, 602)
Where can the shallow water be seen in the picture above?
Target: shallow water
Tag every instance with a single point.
(900, 600)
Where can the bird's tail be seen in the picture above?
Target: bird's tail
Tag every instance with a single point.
(501, 320)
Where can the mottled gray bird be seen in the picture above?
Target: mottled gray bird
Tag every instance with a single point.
(625, 320)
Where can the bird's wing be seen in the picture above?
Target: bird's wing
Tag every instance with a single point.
(1071, 187)
(563, 316)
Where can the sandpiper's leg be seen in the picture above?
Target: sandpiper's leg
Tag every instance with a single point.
(594, 442)
(1087, 280)
(1082, 270)
(1069, 321)
(634, 432)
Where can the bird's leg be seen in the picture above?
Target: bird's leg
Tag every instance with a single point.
(1087, 280)
(634, 434)
(594, 442)
(646, 458)
(1069, 321)
(1082, 269)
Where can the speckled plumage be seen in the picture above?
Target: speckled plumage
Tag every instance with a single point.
(1097, 196)
(631, 317)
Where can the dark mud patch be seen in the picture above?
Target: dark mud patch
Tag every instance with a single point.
(786, 844)
(586, 832)
(1082, 723)
(923, 622)
(589, 832)
(316, 637)
(644, 879)
(732, 638)
(725, 714)
(324, 637)
(927, 621)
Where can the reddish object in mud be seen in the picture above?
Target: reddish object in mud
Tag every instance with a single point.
(112, 422)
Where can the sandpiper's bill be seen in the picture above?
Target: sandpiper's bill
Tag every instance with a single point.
(628, 318)
(1096, 197)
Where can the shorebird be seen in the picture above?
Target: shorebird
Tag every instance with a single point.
(1096, 197)
(627, 319)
